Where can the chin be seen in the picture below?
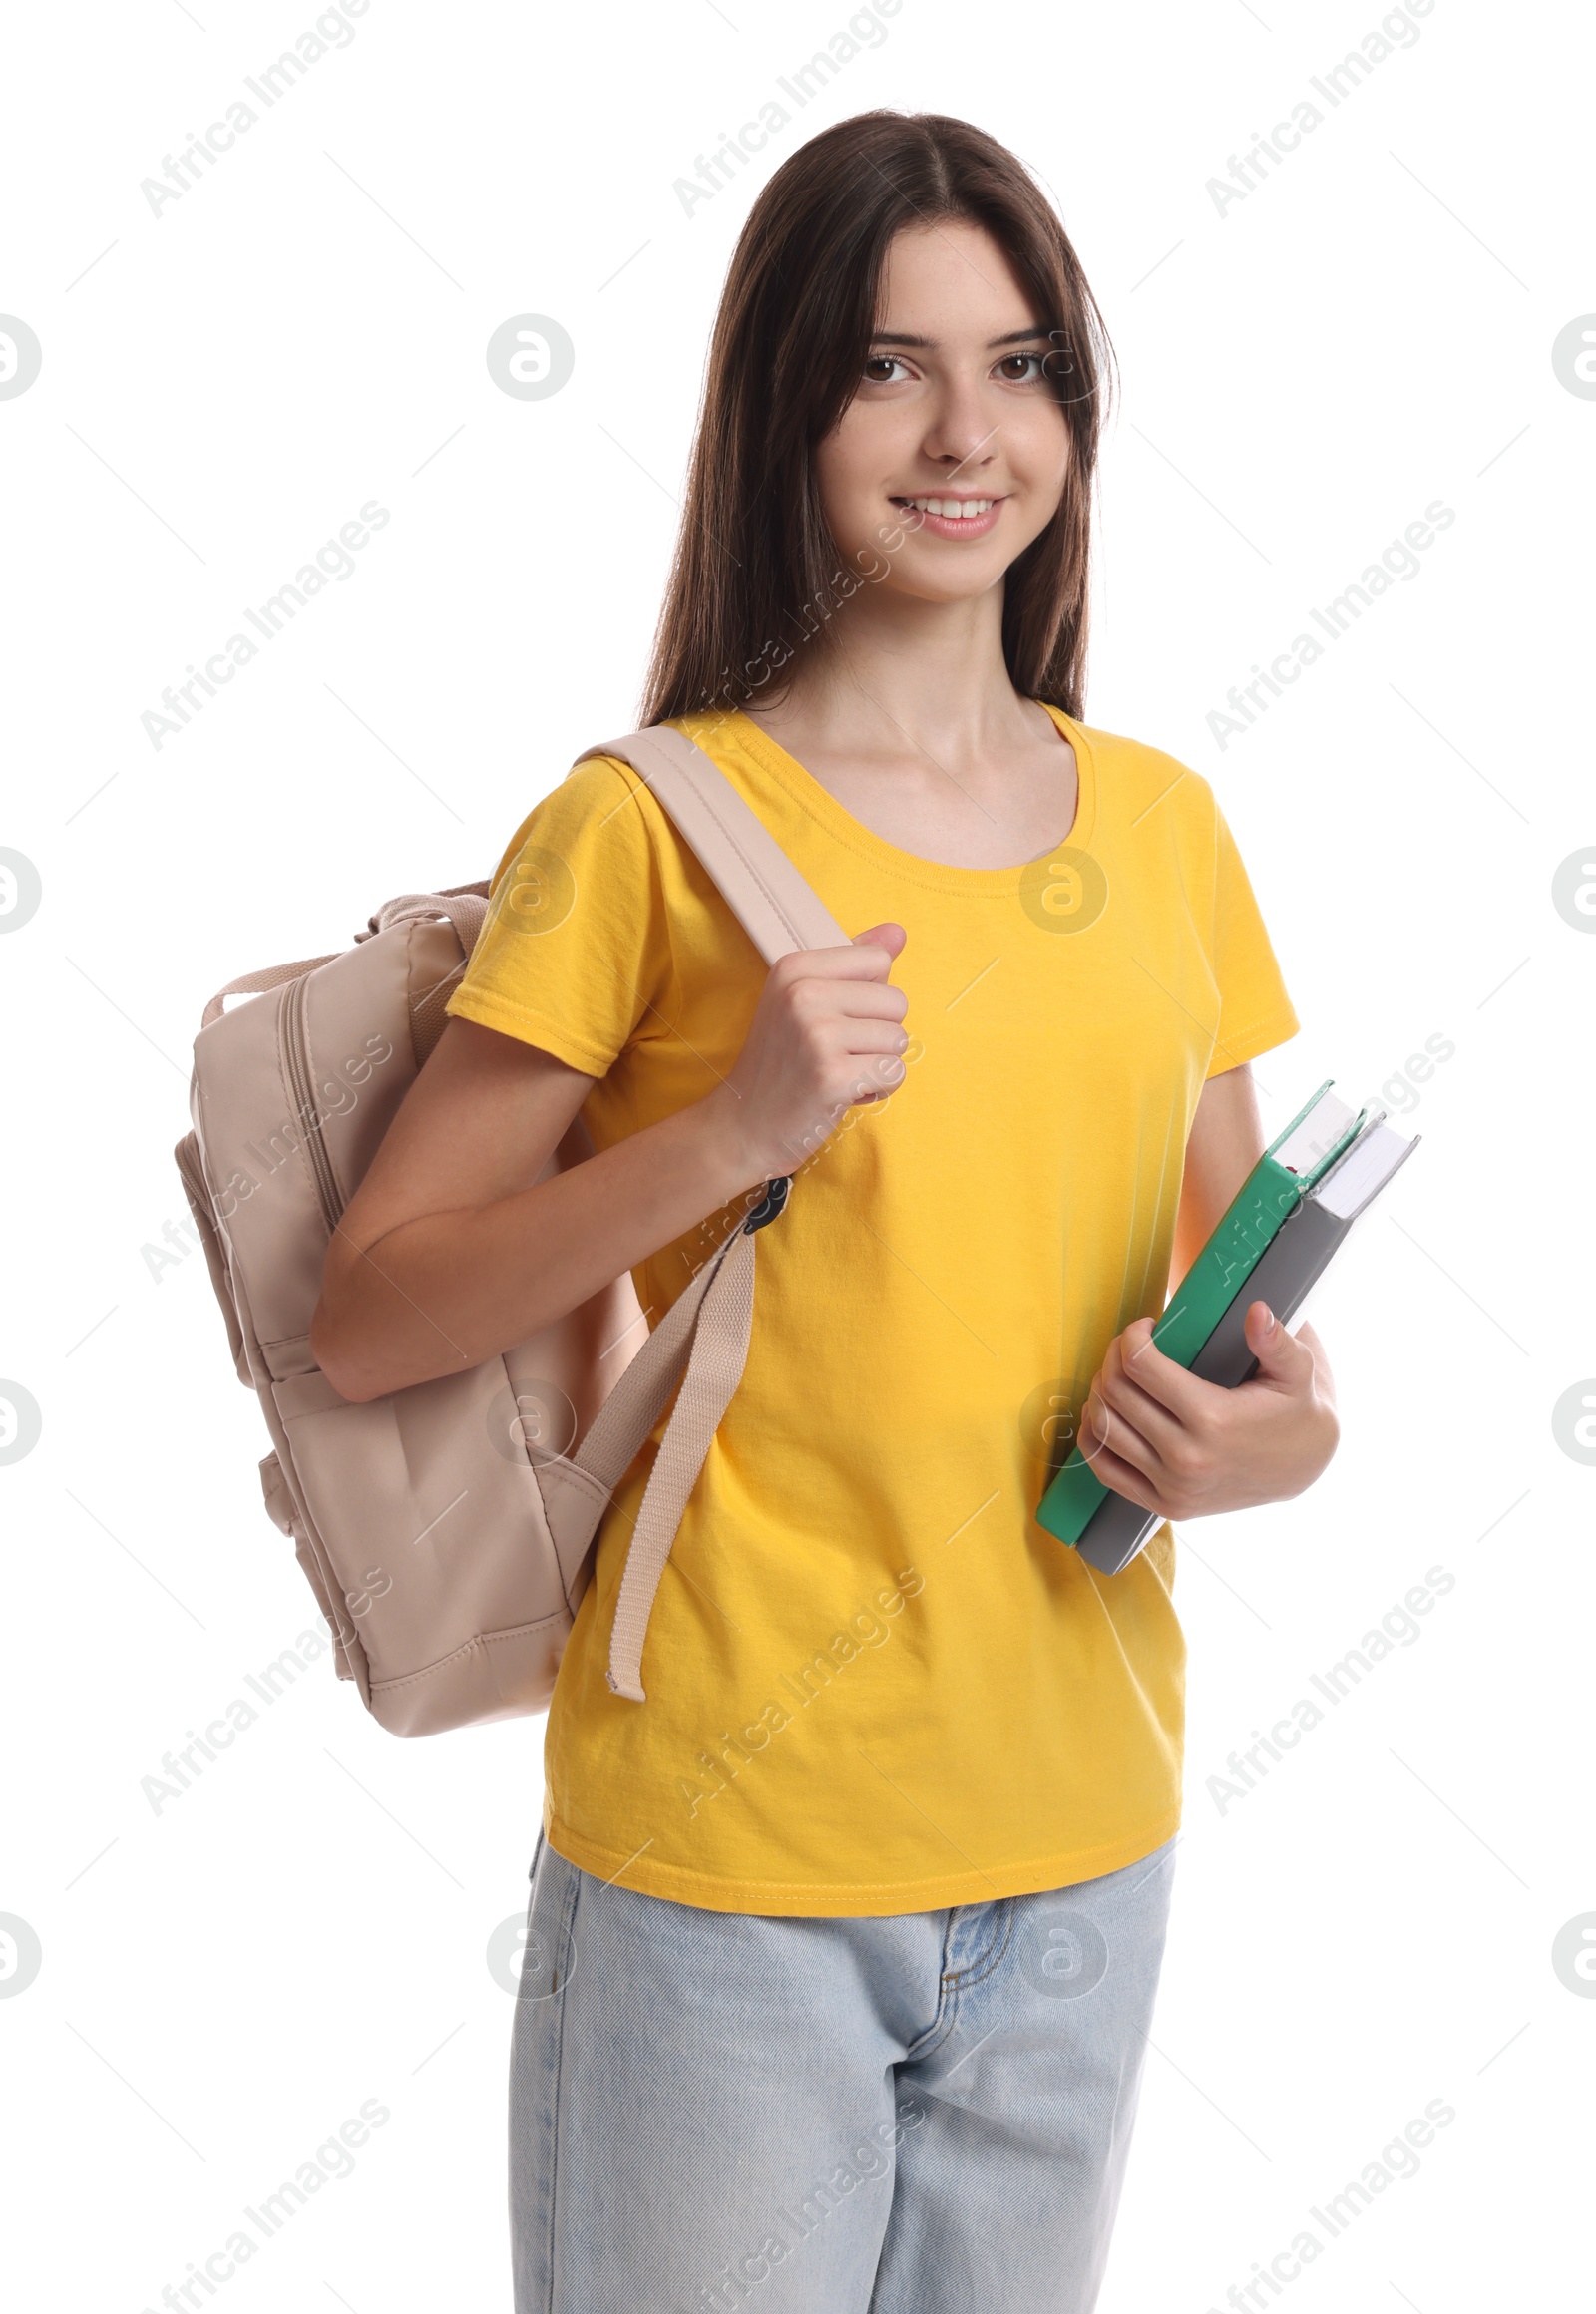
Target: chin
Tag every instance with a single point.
(944, 587)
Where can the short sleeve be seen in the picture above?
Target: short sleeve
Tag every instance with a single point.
(1255, 1012)
(574, 951)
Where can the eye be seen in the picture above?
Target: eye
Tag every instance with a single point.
(876, 362)
(1022, 377)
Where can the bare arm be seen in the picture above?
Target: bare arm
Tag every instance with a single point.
(1226, 1142)
(453, 1249)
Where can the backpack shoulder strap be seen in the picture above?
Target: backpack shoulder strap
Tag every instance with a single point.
(774, 905)
(703, 1339)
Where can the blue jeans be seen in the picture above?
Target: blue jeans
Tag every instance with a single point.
(927, 2113)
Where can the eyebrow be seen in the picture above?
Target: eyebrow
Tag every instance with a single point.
(927, 344)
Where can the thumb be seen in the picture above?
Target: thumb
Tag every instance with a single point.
(1281, 1360)
(891, 936)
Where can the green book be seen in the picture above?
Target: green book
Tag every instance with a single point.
(1291, 1165)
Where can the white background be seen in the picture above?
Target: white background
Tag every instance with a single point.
(222, 386)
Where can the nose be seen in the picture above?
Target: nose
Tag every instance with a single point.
(960, 433)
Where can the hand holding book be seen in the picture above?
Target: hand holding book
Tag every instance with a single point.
(1215, 1406)
(1159, 1437)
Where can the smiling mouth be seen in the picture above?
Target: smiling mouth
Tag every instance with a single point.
(957, 509)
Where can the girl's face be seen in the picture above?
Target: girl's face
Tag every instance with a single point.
(953, 409)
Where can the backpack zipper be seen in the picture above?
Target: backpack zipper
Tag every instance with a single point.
(296, 1051)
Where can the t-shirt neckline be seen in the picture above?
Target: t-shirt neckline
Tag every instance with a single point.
(818, 801)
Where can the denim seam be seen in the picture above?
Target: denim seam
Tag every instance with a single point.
(941, 2025)
(566, 1941)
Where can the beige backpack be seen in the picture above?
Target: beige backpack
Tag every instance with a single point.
(448, 1529)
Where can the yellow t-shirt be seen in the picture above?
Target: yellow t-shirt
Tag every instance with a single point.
(875, 1684)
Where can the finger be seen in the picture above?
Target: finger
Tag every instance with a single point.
(869, 957)
(868, 1001)
(1105, 1431)
(1122, 1477)
(1283, 1362)
(866, 1034)
(877, 1074)
(1187, 1398)
(1125, 1396)
(891, 936)
(1324, 1379)
(817, 992)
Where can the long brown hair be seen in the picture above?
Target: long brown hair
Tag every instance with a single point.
(756, 571)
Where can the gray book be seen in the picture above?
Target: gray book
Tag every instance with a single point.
(1292, 1264)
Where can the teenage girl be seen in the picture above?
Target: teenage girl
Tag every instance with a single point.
(841, 1946)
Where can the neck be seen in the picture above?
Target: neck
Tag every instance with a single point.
(899, 673)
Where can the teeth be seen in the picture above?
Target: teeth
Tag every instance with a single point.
(962, 509)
